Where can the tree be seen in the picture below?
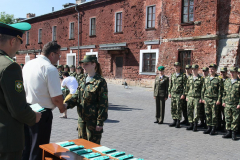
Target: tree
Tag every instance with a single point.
(7, 18)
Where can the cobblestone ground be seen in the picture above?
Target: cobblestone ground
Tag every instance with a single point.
(130, 128)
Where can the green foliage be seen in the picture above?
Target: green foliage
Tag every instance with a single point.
(7, 18)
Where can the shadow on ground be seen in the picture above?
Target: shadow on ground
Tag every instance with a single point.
(121, 107)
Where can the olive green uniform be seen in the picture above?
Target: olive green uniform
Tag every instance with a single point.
(160, 93)
(73, 74)
(79, 77)
(14, 110)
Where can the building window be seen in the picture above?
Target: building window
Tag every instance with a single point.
(27, 58)
(92, 26)
(54, 33)
(151, 16)
(40, 36)
(118, 22)
(71, 58)
(187, 11)
(71, 31)
(184, 57)
(27, 37)
(92, 53)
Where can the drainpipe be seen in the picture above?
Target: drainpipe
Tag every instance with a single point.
(78, 32)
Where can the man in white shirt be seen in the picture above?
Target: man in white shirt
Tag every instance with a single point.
(42, 86)
(72, 84)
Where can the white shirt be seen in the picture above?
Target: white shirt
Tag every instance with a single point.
(41, 82)
(71, 83)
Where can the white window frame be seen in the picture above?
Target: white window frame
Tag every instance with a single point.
(39, 35)
(149, 50)
(71, 36)
(146, 21)
(27, 58)
(90, 27)
(70, 55)
(27, 37)
(53, 33)
(92, 53)
(116, 22)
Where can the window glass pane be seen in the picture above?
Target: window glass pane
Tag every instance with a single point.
(153, 16)
(153, 23)
(191, 17)
(191, 2)
(185, 10)
(154, 9)
(149, 10)
(185, 3)
(185, 18)
(149, 24)
(153, 56)
(149, 17)
(191, 9)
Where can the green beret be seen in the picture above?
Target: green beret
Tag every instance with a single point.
(161, 68)
(177, 64)
(65, 66)
(205, 68)
(79, 67)
(188, 66)
(223, 69)
(72, 66)
(89, 58)
(233, 69)
(195, 66)
(213, 65)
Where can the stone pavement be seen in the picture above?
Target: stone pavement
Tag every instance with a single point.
(130, 128)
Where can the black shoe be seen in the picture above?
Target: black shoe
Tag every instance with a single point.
(202, 124)
(190, 127)
(160, 122)
(195, 127)
(185, 121)
(208, 130)
(234, 138)
(219, 128)
(173, 124)
(213, 132)
(178, 124)
(155, 122)
(228, 135)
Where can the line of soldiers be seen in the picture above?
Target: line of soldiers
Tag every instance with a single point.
(210, 98)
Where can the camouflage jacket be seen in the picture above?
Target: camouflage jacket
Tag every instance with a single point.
(193, 87)
(73, 74)
(91, 99)
(212, 88)
(161, 86)
(60, 73)
(177, 84)
(79, 77)
(231, 93)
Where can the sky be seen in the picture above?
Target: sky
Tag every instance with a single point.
(20, 8)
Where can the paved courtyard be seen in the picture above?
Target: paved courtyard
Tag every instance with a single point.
(130, 128)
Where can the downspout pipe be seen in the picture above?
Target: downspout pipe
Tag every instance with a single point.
(78, 33)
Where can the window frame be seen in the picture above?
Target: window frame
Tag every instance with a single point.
(55, 33)
(116, 22)
(181, 60)
(90, 27)
(39, 36)
(182, 10)
(27, 37)
(146, 26)
(92, 53)
(71, 30)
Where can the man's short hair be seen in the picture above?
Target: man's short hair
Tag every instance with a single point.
(4, 38)
(50, 47)
(66, 74)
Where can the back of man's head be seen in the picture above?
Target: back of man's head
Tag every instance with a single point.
(50, 47)
(66, 74)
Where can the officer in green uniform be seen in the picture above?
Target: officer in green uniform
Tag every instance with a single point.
(193, 97)
(160, 94)
(91, 99)
(72, 71)
(79, 74)
(231, 102)
(59, 67)
(211, 96)
(177, 84)
(14, 110)
(66, 68)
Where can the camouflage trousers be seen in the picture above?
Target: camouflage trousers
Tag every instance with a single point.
(231, 117)
(202, 112)
(184, 109)
(87, 130)
(176, 107)
(211, 111)
(193, 109)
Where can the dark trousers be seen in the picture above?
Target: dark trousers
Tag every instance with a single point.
(221, 115)
(184, 109)
(160, 108)
(10, 155)
(37, 135)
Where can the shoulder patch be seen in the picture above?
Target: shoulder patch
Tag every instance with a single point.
(18, 86)
(104, 95)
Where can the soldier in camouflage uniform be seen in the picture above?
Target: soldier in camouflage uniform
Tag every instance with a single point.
(177, 83)
(193, 97)
(72, 71)
(211, 96)
(59, 67)
(79, 74)
(66, 68)
(231, 102)
(91, 99)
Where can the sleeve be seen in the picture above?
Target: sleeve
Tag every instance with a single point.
(166, 95)
(53, 83)
(103, 103)
(154, 88)
(203, 90)
(63, 83)
(224, 94)
(170, 85)
(184, 82)
(14, 94)
(73, 101)
(220, 90)
(186, 88)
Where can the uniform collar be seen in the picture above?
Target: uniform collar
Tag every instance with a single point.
(95, 77)
(3, 52)
(45, 58)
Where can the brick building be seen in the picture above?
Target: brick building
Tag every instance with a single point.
(132, 37)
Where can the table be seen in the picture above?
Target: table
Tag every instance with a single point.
(53, 151)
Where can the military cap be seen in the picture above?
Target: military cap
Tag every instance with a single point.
(212, 65)
(195, 66)
(177, 64)
(72, 66)
(233, 69)
(59, 66)
(15, 30)
(65, 66)
(188, 66)
(161, 68)
(89, 58)
(79, 67)
(205, 68)
(223, 69)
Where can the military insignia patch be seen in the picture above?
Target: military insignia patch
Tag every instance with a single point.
(18, 86)
(104, 95)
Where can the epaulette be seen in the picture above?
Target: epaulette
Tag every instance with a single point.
(9, 58)
(220, 77)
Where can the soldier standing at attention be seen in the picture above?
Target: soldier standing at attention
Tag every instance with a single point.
(72, 71)
(211, 96)
(176, 93)
(160, 94)
(14, 110)
(79, 74)
(231, 102)
(59, 67)
(193, 97)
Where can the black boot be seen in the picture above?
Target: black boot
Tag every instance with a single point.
(173, 124)
(208, 130)
(185, 121)
(234, 138)
(228, 135)
(213, 132)
(202, 124)
(178, 124)
(156, 121)
(195, 127)
(190, 127)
